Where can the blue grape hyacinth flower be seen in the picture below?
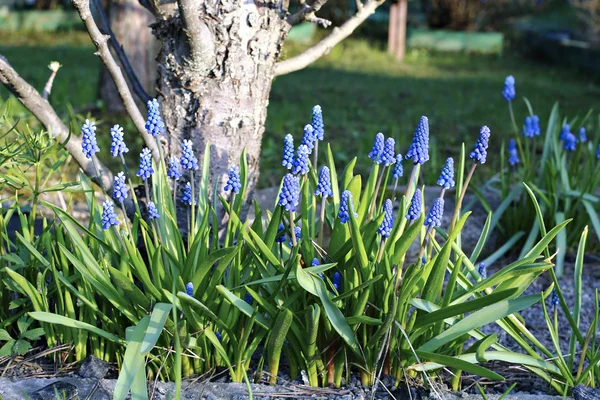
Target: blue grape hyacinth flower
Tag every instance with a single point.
(346, 207)
(315, 261)
(570, 142)
(419, 149)
(288, 152)
(387, 155)
(301, 164)
(188, 159)
(337, 281)
(528, 127)
(248, 298)
(416, 205)
(120, 188)
(513, 155)
(89, 144)
(280, 234)
(152, 211)
(398, 170)
(446, 179)
(187, 194)
(482, 270)
(317, 122)
(154, 124)
(535, 125)
(377, 148)
(598, 152)
(582, 135)
(555, 299)
(388, 220)
(565, 130)
(509, 93)
(219, 336)
(233, 180)
(173, 170)
(189, 289)
(479, 153)
(324, 183)
(290, 192)
(109, 217)
(117, 144)
(308, 138)
(297, 234)
(145, 170)
(434, 218)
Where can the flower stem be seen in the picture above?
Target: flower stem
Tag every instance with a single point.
(374, 201)
(461, 197)
(192, 222)
(411, 181)
(292, 229)
(316, 154)
(322, 225)
(512, 117)
(394, 191)
(380, 253)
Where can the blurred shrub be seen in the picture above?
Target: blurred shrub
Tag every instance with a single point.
(588, 12)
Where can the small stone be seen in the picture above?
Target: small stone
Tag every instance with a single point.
(581, 392)
(65, 390)
(93, 367)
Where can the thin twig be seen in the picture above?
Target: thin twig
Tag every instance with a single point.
(137, 87)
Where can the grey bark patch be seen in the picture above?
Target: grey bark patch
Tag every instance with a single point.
(585, 393)
(93, 367)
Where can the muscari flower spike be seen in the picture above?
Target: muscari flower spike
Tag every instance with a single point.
(509, 92)
(154, 124)
(482, 271)
(188, 160)
(387, 155)
(528, 129)
(173, 170)
(152, 211)
(189, 289)
(109, 217)
(248, 298)
(308, 138)
(187, 194)
(315, 262)
(446, 178)
(434, 218)
(288, 151)
(535, 125)
(120, 189)
(416, 205)
(317, 122)
(346, 206)
(398, 170)
(555, 299)
(388, 220)
(280, 234)
(513, 155)
(145, 170)
(298, 234)
(324, 183)
(218, 335)
(117, 145)
(233, 180)
(301, 164)
(479, 154)
(419, 149)
(337, 281)
(565, 130)
(598, 152)
(377, 149)
(89, 145)
(570, 143)
(290, 191)
(582, 135)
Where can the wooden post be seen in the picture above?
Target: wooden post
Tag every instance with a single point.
(397, 29)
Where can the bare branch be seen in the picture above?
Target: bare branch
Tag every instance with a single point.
(44, 112)
(324, 46)
(199, 37)
(306, 12)
(101, 43)
(137, 87)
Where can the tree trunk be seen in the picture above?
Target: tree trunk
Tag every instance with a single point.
(129, 22)
(221, 99)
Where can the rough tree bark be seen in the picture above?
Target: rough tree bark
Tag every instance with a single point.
(215, 68)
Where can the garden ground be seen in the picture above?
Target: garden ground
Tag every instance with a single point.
(361, 88)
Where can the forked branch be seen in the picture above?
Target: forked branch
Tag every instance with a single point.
(324, 46)
(44, 112)
(307, 13)
(101, 42)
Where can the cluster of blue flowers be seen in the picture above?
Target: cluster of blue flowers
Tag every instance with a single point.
(509, 93)
(513, 156)
(531, 127)
(419, 150)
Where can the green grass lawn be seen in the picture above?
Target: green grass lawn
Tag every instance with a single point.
(362, 91)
